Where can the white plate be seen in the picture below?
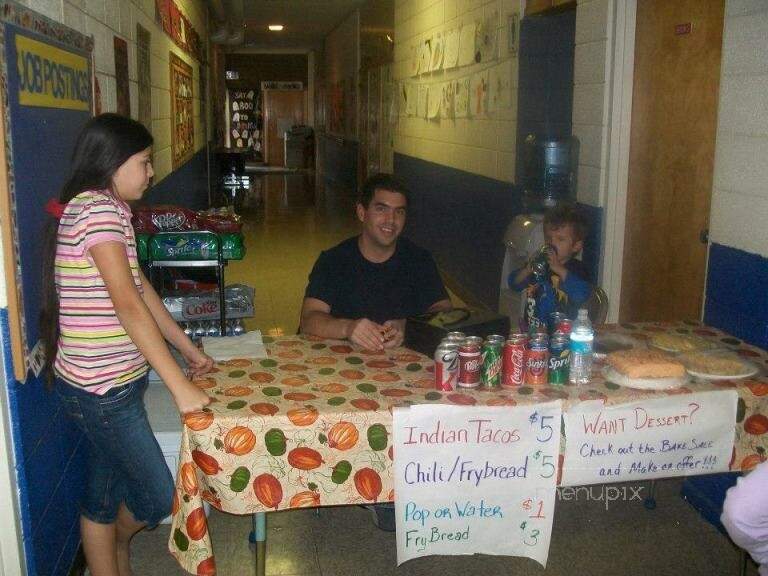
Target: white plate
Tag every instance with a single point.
(751, 372)
(749, 369)
(643, 383)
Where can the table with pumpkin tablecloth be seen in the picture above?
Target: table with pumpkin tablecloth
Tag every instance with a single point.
(311, 426)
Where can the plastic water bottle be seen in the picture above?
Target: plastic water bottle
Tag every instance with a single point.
(582, 339)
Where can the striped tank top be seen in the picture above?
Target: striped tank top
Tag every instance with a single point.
(94, 350)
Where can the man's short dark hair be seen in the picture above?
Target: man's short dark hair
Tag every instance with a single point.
(567, 215)
(382, 181)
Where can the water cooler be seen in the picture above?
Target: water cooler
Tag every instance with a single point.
(547, 177)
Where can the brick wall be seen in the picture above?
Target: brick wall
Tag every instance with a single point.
(105, 19)
(482, 145)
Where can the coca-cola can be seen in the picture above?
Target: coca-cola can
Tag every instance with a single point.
(446, 367)
(513, 361)
(537, 357)
(470, 362)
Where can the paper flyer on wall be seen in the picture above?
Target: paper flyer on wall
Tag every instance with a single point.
(475, 480)
(437, 52)
(467, 45)
(451, 49)
(478, 93)
(499, 87)
(461, 98)
(434, 98)
(448, 92)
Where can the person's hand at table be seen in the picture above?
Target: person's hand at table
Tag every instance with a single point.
(366, 334)
(394, 333)
(198, 362)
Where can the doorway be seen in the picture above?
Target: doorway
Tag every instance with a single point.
(282, 109)
(672, 142)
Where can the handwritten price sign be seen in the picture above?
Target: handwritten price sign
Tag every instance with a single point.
(474, 480)
(662, 437)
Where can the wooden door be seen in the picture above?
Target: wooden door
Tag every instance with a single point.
(282, 109)
(672, 145)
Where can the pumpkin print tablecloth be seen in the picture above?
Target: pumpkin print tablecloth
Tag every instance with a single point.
(311, 425)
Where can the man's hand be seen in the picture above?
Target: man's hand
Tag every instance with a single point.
(198, 362)
(394, 332)
(366, 334)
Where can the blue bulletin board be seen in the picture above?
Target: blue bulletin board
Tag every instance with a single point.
(48, 74)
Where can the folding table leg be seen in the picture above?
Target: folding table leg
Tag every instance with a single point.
(260, 531)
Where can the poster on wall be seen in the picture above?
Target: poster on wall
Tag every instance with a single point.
(448, 90)
(451, 49)
(182, 113)
(245, 120)
(485, 39)
(163, 15)
(40, 122)
(143, 39)
(478, 93)
(461, 98)
(121, 77)
(499, 86)
(172, 20)
(467, 45)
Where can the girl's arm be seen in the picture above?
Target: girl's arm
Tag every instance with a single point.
(112, 261)
(198, 361)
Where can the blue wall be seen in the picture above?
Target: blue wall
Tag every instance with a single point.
(187, 186)
(339, 161)
(461, 218)
(737, 294)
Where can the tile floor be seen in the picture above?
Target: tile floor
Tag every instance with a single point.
(287, 225)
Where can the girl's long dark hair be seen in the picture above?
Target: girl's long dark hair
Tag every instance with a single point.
(104, 144)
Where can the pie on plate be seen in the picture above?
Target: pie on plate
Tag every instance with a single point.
(713, 364)
(680, 342)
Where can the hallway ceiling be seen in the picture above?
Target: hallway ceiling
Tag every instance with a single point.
(306, 22)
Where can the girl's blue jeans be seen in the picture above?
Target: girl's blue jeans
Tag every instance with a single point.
(125, 463)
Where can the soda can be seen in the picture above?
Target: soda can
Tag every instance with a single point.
(200, 330)
(476, 340)
(559, 360)
(537, 356)
(565, 326)
(513, 361)
(490, 374)
(554, 321)
(470, 361)
(238, 329)
(446, 366)
(456, 336)
(495, 338)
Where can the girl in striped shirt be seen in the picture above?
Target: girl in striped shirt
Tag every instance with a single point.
(105, 323)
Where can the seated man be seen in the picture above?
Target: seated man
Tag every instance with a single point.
(364, 288)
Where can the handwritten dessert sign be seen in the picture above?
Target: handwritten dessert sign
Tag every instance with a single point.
(472, 480)
(660, 437)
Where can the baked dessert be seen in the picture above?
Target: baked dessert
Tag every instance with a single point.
(715, 364)
(640, 363)
(680, 342)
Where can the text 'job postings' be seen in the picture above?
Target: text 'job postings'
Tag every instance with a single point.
(678, 435)
(475, 479)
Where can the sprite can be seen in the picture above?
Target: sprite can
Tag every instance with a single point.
(559, 360)
(490, 374)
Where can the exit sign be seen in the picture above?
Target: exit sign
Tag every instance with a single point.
(682, 29)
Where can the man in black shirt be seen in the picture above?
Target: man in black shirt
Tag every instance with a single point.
(364, 288)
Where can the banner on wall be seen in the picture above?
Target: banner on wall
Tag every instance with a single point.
(50, 77)
(178, 27)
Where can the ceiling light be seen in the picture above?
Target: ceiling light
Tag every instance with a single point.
(275, 27)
